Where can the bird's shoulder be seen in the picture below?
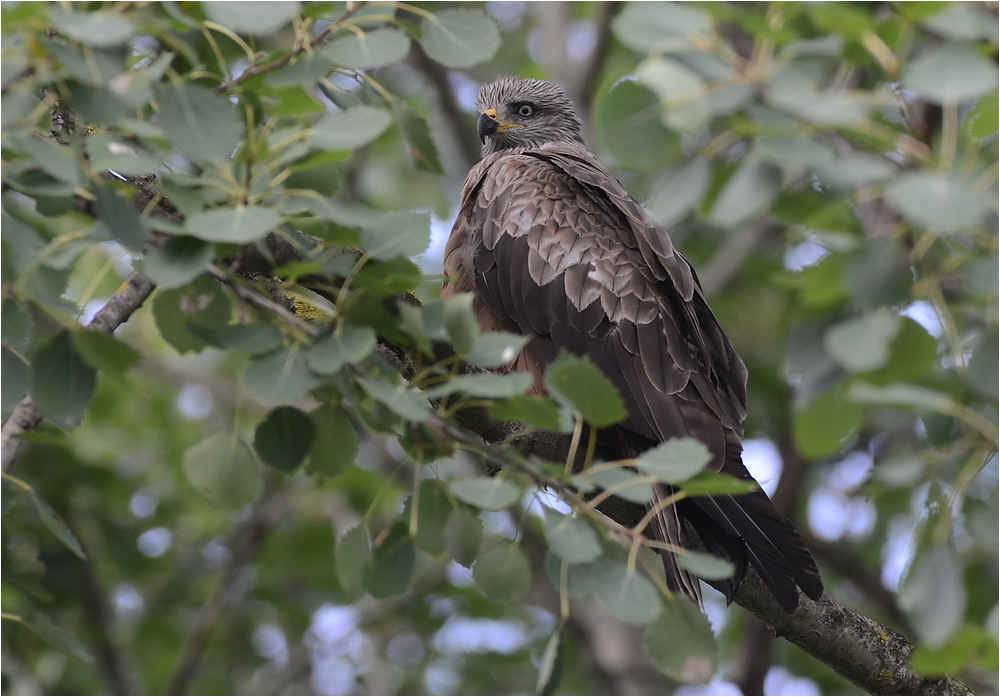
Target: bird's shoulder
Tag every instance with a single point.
(564, 186)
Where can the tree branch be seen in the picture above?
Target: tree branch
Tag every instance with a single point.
(26, 416)
(587, 80)
(256, 70)
(868, 654)
(450, 111)
(246, 542)
(116, 676)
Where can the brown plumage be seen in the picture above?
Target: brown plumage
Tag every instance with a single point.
(553, 247)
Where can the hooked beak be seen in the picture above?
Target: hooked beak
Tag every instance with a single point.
(487, 124)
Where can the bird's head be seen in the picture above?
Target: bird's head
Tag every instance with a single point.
(515, 113)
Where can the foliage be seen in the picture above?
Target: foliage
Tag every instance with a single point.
(830, 168)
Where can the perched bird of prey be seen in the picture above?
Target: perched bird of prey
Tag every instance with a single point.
(553, 247)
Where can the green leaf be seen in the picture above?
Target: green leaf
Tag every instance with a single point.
(860, 169)
(680, 90)
(936, 200)
(332, 352)
(571, 538)
(434, 506)
(706, 566)
(15, 380)
(60, 381)
(389, 571)
(350, 557)
(717, 484)
(486, 493)
(371, 49)
(796, 149)
(282, 376)
(826, 425)
(502, 572)
(349, 129)
(460, 322)
(863, 343)
(386, 278)
(307, 69)
(284, 438)
(109, 152)
(982, 120)
(245, 338)
(15, 323)
(92, 28)
(56, 160)
(906, 396)
(934, 595)
(397, 234)
(640, 492)
(835, 108)
(581, 579)
(463, 532)
(681, 642)
(552, 662)
(963, 23)
(176, 263)
(202, 303)
(422, 150)
(950, 74)
(104, 352)
(487, 386)
(675, 461)
(875, 274)
(982, 373)
(295, 101)
(202, 124)
(459, 38)
(681, 191)
(749, 192)
(579, 384)
(54, 523)
(408, 404)
(842, 19)
(970, 644)
(629, 127)
(495, 349)
(631, 597)
(58, 637)
(540, 412)
(644, 25)
(335, 446)
(223, 468)
(253, 17)
(235, 225)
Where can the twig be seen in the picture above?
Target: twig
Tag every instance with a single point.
(26, 416)
(283, 61)
(254, 298)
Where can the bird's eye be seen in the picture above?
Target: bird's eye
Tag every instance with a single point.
(525, 110)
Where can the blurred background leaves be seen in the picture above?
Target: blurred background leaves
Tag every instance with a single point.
(830, 169)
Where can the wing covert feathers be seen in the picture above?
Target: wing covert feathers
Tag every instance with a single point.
(555, 248)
